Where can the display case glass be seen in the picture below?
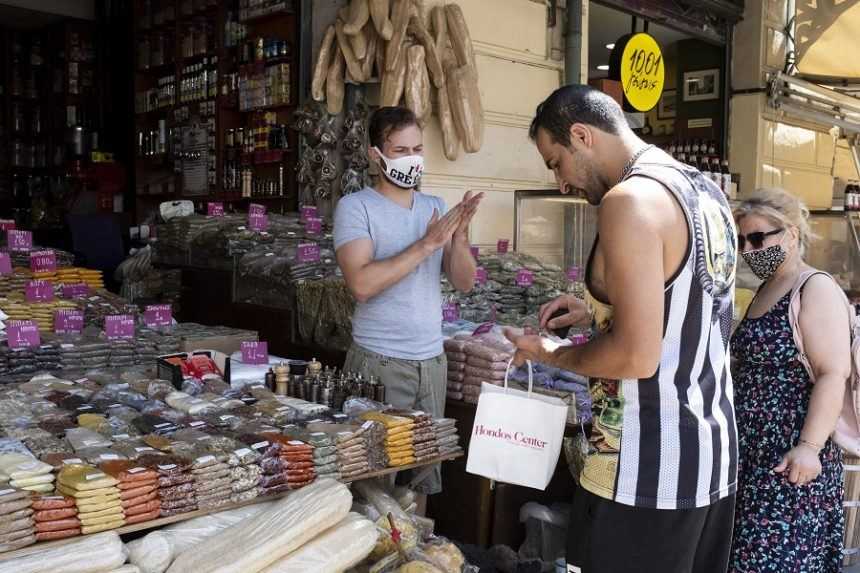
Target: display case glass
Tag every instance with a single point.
(554, 228)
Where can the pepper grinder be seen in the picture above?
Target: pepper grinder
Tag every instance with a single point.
(282, 378)
(314, 368)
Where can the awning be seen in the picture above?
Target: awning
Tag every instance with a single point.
(827, 41)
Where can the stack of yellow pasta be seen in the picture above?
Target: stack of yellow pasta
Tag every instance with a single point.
(96, 494)
(73, 275)
(399, 438)
(42, 313)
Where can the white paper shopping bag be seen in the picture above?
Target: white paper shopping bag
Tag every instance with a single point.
(517, 435)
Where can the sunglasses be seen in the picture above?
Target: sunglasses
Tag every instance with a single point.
(756, 239)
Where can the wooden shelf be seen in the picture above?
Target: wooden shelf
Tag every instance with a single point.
(156, 523)
(263, 17)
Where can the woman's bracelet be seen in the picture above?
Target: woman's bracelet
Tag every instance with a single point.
(813, 445)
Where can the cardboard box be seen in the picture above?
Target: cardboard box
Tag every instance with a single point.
(226, 344)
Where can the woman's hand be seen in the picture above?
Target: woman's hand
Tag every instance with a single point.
(800, 465)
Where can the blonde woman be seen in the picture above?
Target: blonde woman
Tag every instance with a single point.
(789, 515)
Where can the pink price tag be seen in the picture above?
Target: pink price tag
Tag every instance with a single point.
(450, 312)
(7, 224)
(258, 222)
(484, 328)
(43, 261)
(475, 251)
(215, 209)
(308, 253)
(20, 240)
(23, 334)
(80, 290)
(525, 278)
(256, 209)
(574, 274)
(5, 264)
(308, 212)
(68, 321)
(158, 315)
(119, 326)
(502, 246)
(313, 225)
(39, 291)
(481, 276)
(255, 353)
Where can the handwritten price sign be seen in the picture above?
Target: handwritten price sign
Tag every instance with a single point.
(39, 291)
(119, 326)
(68, 321)
(80, 290)
(308, 212)
(215, 209)
(5, 264)
(525, 278)
(313, 225)
(20, 241)
(502, 246)
(43, 261)
(258, 222)
(255, 209)
(450, 312)
(23, 334)
(158, 315)
(255, 353)
(308, 253)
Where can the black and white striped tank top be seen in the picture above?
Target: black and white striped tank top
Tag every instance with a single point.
(670, 442)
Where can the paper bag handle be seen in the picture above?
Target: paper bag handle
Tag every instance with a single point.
(531, 375)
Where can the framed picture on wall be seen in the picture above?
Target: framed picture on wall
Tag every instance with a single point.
(702, 85)
(667, 108)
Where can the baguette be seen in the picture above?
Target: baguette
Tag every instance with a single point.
(346, 49)
(335, 84)
(400, 18)
(359, 14)
(379, 11)
(322, 65)
(434, 63)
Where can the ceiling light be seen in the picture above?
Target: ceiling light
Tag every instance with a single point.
(603, 68)
(610, 46)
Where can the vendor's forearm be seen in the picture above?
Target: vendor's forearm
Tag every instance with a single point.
(825, 406)
(462, 267)
(604, 357)
(378, 276)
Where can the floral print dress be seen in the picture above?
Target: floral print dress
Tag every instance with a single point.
(780, 527)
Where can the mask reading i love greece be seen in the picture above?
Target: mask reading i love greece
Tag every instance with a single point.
(405, 172)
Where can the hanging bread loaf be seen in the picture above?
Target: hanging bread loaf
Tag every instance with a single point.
(466, 107)
(458, 33)
(370, 57)
(393, 83)
(323, 63)
(417, 84)
(359, 14)
(379, 11)
(334, 88)
(450, 139)
(400, 14)
(440, 28)
(359, 46)
(346, 48)
(434, 63)
(380, 58)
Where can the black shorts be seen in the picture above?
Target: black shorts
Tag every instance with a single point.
(608, 537)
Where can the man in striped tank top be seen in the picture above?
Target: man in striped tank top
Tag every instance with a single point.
(658, 485)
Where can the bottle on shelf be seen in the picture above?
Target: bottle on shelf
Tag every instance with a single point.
(728, 186)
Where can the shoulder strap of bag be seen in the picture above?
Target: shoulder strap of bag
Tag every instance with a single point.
(794, 314)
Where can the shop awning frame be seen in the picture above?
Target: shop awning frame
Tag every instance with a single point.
(806, 101)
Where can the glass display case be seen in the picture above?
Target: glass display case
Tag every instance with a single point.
(554, 228)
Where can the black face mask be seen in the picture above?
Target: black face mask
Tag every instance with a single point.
(765, 262)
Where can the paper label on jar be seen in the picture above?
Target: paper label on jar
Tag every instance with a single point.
(260, 445)
(136, 470)
(97, 475)
(243, 452)
(205, 459)
(167, 467)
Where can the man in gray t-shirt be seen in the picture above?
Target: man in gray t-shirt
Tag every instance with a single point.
(392, 244)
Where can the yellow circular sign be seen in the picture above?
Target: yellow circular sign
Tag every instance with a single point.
(642, 72)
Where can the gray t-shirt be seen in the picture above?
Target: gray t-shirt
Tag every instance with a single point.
(404, 321)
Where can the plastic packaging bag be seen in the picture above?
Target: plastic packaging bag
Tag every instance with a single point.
(92, 554)
(262, 540)
(337, 549)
